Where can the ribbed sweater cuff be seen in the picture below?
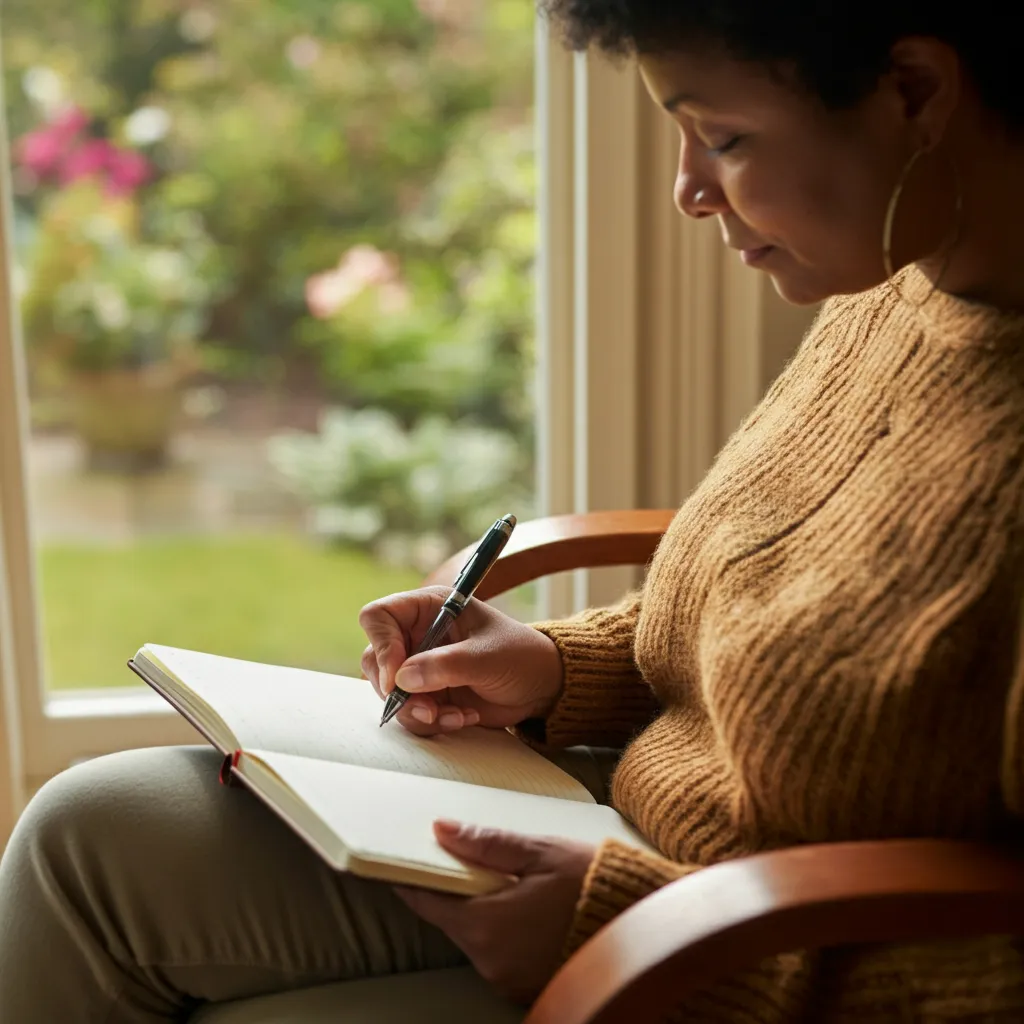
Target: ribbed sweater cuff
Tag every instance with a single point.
(604, 699)
(619, 876)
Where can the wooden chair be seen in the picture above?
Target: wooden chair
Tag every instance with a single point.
(728, 917)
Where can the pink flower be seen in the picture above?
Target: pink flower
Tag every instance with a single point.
(70, 124)
(326, 294)
(43, 150)
(59, 151)
(446, 12)
(362, 267)
(40, 152)
(127, 170)
(92, 158)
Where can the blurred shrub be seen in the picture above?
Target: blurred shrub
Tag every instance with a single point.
(444, 324)
(106, 289)
(364, 170)
(297, 131)
(411, 495)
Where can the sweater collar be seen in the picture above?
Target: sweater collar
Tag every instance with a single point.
(956, 320)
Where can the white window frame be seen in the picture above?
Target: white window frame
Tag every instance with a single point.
(651, 348)
(673, 341)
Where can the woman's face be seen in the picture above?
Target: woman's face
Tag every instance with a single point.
(799, 190)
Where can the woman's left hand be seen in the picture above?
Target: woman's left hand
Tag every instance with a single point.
(513, 937)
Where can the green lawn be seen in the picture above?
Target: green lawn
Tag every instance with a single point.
(269, 598)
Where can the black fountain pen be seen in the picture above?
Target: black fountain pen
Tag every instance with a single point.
(468, 580)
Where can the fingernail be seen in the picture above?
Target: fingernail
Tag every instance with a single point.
(409, 679)
(382, 676)
(422, 714)
(450, 720)
(471, 717)
(447, 825)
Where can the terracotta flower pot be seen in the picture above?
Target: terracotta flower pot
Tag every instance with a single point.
(126, 417)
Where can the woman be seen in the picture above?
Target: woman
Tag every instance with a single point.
(824, 649)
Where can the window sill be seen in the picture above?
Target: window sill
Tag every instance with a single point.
(129, 702)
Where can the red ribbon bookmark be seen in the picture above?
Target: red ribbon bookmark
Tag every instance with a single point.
(231, 761)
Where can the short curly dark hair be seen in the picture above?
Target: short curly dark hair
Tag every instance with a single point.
(838, 48)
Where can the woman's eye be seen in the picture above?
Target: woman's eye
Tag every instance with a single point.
(725, 147)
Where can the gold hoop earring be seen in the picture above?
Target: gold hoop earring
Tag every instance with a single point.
(890, 219)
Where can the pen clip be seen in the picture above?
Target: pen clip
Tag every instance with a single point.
(483, 558)
(465, 569)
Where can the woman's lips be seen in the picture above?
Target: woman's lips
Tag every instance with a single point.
(751, 257)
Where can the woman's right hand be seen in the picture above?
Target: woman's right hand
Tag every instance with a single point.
(491, 669)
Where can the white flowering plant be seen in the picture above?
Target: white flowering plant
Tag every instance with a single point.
(99, 297)
(412, 495)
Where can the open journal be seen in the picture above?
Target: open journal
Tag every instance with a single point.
(365, 798)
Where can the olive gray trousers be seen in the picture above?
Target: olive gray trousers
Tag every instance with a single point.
(136, 888)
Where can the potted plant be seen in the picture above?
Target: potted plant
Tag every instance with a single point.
(112, 316)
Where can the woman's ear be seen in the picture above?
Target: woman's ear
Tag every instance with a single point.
(927, 78)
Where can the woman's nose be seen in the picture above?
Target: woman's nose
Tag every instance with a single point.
(697, 199)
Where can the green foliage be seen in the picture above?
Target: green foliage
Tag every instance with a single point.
(100, 298)
(295, 135)
(299, 129)
(413, 496)
(463, 344)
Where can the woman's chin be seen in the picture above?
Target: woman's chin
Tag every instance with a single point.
(799, 291)
(800, 285)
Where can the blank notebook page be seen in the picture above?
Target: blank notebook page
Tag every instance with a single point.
(387, 817)
(337, 718)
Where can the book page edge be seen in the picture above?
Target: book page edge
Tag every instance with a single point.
(204, 718)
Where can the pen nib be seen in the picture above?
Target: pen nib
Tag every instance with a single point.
(391, 708)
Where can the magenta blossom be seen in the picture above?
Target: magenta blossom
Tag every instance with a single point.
(91, 159)
(40, 152)
(126, 171)
(43, 150)
(59, 150)
(70, 124)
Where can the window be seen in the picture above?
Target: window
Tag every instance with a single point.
(403, 299)
(273, 270)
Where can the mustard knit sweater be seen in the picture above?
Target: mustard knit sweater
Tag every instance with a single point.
(824, 649)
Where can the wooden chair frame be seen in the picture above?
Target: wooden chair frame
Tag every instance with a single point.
(718, 921)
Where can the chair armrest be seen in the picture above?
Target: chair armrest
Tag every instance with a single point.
(540, 547)
(716, 922)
